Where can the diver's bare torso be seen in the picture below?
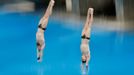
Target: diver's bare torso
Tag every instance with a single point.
(85, 42)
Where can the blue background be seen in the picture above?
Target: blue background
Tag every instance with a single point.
(112, 52)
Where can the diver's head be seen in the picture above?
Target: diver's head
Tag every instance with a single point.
(83, 59)
(38, 46)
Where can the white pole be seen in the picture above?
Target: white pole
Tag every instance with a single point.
(69, 5)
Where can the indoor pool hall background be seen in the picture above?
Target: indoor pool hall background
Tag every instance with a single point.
(112, 48)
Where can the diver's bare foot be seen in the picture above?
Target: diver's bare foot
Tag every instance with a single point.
(52, 2)
(90, 12)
